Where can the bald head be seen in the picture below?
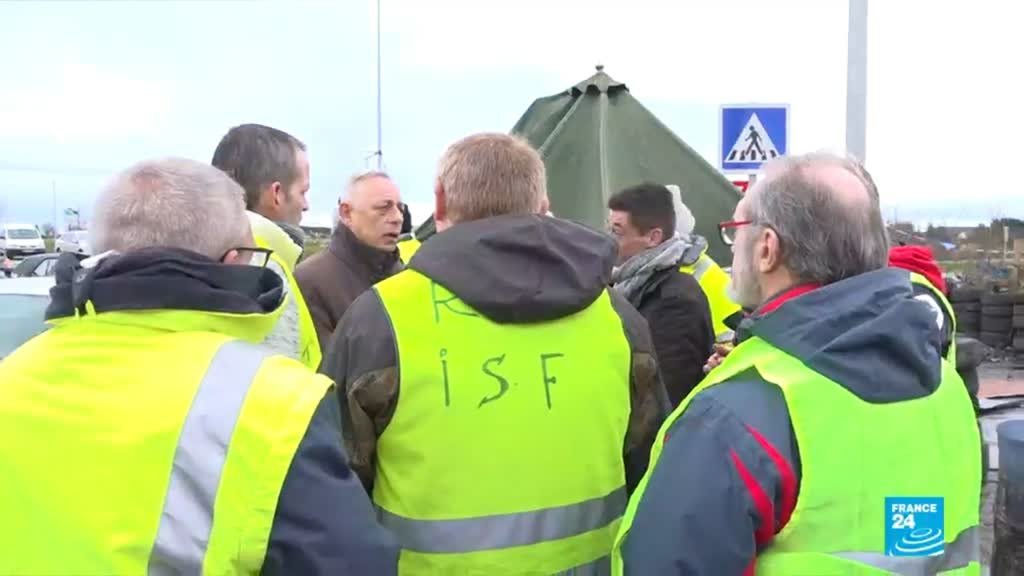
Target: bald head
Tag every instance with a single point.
(825, 211)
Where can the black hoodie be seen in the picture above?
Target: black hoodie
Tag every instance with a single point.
(513, 270)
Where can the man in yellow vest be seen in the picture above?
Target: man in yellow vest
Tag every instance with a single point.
(834, 439)
(273, 169)
(146, 432)
(726, 314)
(500, 401)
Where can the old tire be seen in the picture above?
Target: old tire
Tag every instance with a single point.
(998, 299)
(972, 309)
(996, 324)
(997, 311)
(965, 295)
(997, 340)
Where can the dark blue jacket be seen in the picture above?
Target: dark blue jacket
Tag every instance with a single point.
(729, 474)
(324, 522)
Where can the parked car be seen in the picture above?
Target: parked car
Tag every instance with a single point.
(39, 265)
(23, 303)
(21, 240)
(73, 241)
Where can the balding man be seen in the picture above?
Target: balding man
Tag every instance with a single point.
(834, 439)
(147, 433)
(362, 251)
(500, 401)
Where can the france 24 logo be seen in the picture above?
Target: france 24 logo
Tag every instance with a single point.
(914, 527)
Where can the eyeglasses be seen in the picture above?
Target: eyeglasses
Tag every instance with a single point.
(258, 257)
(727, 230)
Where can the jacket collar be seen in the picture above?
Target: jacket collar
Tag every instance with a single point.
(349, 249)
(270, 234)
(178, 290)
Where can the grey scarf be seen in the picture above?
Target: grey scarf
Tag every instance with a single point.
(631, 278)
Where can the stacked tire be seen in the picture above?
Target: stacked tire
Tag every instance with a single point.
(1018, 323)
(967, 307)
(997, 319)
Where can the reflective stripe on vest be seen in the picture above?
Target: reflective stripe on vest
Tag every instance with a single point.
(505, 530)
(515, 502)
(187, 516)
(923, 282)
(959, 553)
(702, 266)
(832, 505)
(714, 286)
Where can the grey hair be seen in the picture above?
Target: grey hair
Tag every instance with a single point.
(824, 237)
(360, 177)
(491, 174)
(171, 203)
(256, 156)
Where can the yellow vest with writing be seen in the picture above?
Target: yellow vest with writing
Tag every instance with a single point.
(504, 455)
(143, 442)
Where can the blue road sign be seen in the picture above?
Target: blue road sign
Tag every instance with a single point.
(751, 135)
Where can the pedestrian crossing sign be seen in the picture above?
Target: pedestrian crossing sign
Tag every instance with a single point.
(752, 135)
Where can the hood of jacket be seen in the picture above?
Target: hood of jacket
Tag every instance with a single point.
(866, 333)
(520, 269)
(243, 301)
(284, 239)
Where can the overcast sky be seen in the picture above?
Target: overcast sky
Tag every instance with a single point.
(88, 88)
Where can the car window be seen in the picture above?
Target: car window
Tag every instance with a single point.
(45, 268)
(22, 234)
(21, 318)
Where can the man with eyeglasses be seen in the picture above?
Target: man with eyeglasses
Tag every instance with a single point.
(362, 252)
(833, 418)
(148, 432)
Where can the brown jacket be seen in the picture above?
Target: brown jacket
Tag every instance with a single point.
(332, 279)
(514, 270)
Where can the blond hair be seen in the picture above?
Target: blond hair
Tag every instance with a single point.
(491, 174)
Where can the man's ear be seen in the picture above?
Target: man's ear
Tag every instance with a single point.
(345, 212)
(440, 203)
(768, 251)
(232, 257)
(276, 194)
(655, 237)
(545, 206)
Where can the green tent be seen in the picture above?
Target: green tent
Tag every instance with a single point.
(596, 139)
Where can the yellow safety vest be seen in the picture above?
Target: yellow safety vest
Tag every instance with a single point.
(142, 442)
(715, 284)
(504, 454)
(922, 281)
(407, 247)
(853, 456)
(283, 261)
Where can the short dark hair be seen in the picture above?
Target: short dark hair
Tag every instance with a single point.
(649, 206)
(256, 156)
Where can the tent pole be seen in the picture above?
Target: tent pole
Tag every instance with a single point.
(380, 147)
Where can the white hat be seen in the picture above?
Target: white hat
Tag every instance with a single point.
(684, 218)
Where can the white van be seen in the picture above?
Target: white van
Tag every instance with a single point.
(19, 240)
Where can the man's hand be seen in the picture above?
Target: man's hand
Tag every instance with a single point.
(721, 351)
